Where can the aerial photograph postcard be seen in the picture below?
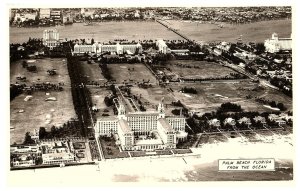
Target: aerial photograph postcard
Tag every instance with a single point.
(150, 94)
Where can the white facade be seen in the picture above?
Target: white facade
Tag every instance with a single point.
(99, 48)
(85, 48)
(275, 44)
(260, 119)
(229, 121)
(162, 47)
(143, 124)
(51, 38)
(214, 122)
(44, 13)
(245, 120)
(58, 158)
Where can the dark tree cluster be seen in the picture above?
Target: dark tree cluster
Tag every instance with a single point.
(105, 71)
(274, 104)
(233, 58)
(284, 85)
(15, 90)
(229, 107)
(69, 129)
(80, 94)
(190, 90)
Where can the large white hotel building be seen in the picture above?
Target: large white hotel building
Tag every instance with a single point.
(134, 128)
(51, 38)
(100, 48)
(275, 44)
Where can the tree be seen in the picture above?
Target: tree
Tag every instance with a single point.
(28, 139)
(24, 64)
(42, 133)
(281, 106)
(53, 131)
(260, 48)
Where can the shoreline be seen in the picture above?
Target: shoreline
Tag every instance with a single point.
(175, 169)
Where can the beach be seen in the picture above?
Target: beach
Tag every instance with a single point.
(202, 166)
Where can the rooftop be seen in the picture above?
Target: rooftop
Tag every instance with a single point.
(124, 126)
(148, 142)
(142, 113)
(111, 118)
(165, 125)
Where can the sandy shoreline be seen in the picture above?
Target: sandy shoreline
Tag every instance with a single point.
(173, 169)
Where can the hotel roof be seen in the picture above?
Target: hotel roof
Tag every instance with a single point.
(285, 43)
(142, 113)
(124, 126)
(149, 142)
(107, 119)
(165, 125)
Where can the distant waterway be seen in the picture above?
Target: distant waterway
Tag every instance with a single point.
(108, 31)
(101, 31)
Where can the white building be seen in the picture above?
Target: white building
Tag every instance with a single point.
(229, 121)
(275, 44)
(17, 149)
(162, 47)
(56, 153)
(45, 13)
(214, 122)
(58, 158)
(99, 48)
(245, 120)
(168, 130)
(24, 160)
(51, 38)
(260, 119)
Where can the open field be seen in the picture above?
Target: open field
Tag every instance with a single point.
(98, 95)
(198, 69)
(211, 95)
(130, 73)
(151, 97)
(41, 75)
(93, 73)
(102, 31)
(36, 109)
(253, 32)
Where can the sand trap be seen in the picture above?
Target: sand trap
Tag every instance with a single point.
(218, 95)
(187, 95)
(273, 108)
(51, 99)
(123, 66)
(27, 98)
(48, 121)
(31, 61)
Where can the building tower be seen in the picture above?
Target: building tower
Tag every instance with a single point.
(161, 109)
(275, 36)
(51, 38)
(121, 111)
